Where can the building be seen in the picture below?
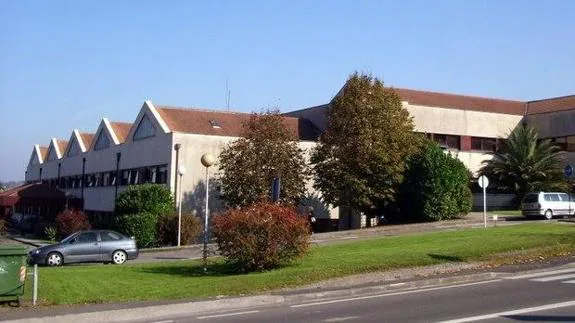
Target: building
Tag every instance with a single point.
(97, 166)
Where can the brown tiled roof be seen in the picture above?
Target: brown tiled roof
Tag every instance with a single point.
(463, 102)
(121, 129)
(231, 123)
(551, 105)
(62, 145)
(43, 151)
(87, 139)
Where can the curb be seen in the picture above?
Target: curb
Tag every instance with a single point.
(231, 304)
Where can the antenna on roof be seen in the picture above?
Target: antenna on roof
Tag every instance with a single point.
(227, 96)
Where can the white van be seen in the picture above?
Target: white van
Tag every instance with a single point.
(548, 204)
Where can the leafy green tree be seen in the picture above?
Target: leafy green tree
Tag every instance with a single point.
(526, 164)
(267, 149)
(437, 187)
(147, 198)
(360, 159)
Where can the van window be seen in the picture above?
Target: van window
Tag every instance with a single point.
(552, 197)
(564, 197)
(530, 198)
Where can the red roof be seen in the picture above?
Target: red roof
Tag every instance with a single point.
(563, 103)
(121, 129)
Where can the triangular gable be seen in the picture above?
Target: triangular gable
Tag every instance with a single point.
(37, 157)
(148, 123)
(76, 144)
(53, 153)
(104, 136)
(102, 140)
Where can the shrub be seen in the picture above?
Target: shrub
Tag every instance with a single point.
(2, 226)
(142, 226)
(261, 236)
(70, 221)
(437, 186)
(168, 229)
(148, 198)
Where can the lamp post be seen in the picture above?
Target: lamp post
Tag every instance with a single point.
(207, 160)
(181, 172)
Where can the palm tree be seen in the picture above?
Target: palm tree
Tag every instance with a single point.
(526, 164)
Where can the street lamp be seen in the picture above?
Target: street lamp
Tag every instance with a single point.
(207, 160)
(181, 172)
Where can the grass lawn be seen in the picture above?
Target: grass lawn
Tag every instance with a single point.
(185, 279)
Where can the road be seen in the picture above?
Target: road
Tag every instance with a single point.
(544, 296)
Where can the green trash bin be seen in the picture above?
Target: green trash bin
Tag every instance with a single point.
(12, 273)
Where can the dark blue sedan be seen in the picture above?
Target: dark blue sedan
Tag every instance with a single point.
(87, 246)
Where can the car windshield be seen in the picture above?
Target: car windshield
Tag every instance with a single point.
(68, 238)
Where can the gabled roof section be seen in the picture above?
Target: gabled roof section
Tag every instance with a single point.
(38, 155)
(201, 122)
(57, 147)
(120, 130)
(87, 139)
(563, 103)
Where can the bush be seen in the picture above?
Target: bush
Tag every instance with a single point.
(142, 226)
(2, 226)
(148, 198)
(168, 229)
(70, 221)
(436, 187)
(262, 236)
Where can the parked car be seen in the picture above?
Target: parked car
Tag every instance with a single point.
(548, 204)
(105, 246)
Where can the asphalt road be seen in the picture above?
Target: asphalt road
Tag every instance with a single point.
(546, 296)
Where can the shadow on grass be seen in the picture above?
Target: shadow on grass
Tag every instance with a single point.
(445, 258)
(195, 270)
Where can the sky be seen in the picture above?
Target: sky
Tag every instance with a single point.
(65, 65)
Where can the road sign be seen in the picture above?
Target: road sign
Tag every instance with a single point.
(483, 181)
(568, 170)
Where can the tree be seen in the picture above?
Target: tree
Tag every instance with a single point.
(360, 159)
(266, 150)
(526, 164)
(437, 186)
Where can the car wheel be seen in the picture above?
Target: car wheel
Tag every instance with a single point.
(54, 259)
(549, 214)
(119, 257)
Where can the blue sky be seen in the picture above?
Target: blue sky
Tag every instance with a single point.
(67, 64)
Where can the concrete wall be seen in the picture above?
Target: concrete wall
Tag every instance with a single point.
(462, 122)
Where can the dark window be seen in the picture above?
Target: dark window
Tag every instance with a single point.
(87, 237)
(447, 141)
(109, 236)
(530, 198)
(113, 178)
(483, 144)
(125, 177)
(162, 175)
(134, 178)
(98, 179)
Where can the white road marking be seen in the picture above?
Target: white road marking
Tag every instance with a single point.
(547, 279)
(391, 294)
(225, 315)
(341, 319)
(569, 282)
(167, 321)
(540, 274)
(514, 312)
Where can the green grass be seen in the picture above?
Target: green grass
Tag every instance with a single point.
(185, 279)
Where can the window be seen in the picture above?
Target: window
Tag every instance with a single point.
(552, 197)
(215, 124)
(145, 129)
(564, 143)
(162, 175)
(102, 142)
(113, 178)
(134, 176)
(109, 236)
(73, 151)
(98, 179)
(125, 177)
(564, 197)
(105, 179)
(89, 180)
(87, 237)
(483, 144)
(447, 141)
